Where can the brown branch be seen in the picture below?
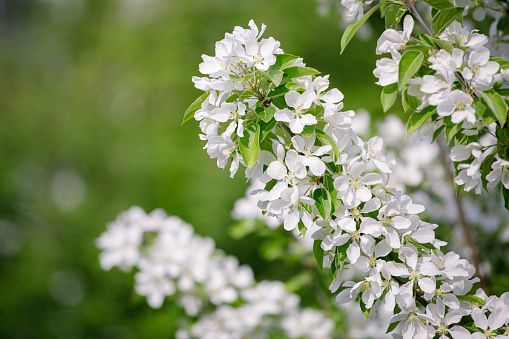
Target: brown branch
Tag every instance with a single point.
(461, 215)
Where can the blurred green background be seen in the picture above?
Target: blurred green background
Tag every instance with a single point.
(92, 98)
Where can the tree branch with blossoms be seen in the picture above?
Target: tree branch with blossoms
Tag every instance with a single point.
(316, 174)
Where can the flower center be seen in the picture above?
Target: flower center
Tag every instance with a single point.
(414, 274)
(460, 106)
(355, 183)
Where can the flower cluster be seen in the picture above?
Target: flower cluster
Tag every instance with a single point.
(297, 140)
(457, 84)
(172, 260)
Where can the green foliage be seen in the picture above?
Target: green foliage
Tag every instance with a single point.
(323, 202)
(249, 145)
(444, 18)
(388, 96)
(196, 105)
(318, 252)
(440, 4)
(496, 104)
(419, 118)
(409, 64)
(353, 28)
(393, 15)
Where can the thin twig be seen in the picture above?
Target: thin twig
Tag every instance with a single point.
(461, 216)
(416, 14)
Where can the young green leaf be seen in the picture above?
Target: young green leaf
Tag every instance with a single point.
(444, 18)
(409, 64)
(393, 15)
(267, 113)
(325, 139)
(249, 145)
(323, 202)
(353, 28)
(196, 105)
(497, 105)
(296, 72)
(388, 96)
(504, 64)
(419, 118)
(471, 298)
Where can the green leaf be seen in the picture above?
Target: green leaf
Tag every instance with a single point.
(284, 61)
(471, 298)
(322, 202)
(497, 105)
(392, 326)
(266, 128)
(296, 72)
(503, 91)
(196, 105)
(451, 130)
(318, 252)
(409, 102)
(420, 48)
(388, 96)
(418, 119)
(504, 64)
(409, 64)
(328, 183)
(267, 114)
(393, 15)
(440, 4)
(325, 139)
(443, 44)
(249, 145)
(444, 18)
(308, 130)
(437, 132)
(365, 311)
(505, 193)
(353, 28)
(276, 76)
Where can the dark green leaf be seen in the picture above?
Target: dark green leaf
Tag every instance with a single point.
(249, 145)
(266, 128)
(392, 326)
(437, 132)
(503, 91)
(353, 28)
(409, 64)
(505, 193)
(388, 96)
(444, 18)
(196, 105)
(318, 252)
